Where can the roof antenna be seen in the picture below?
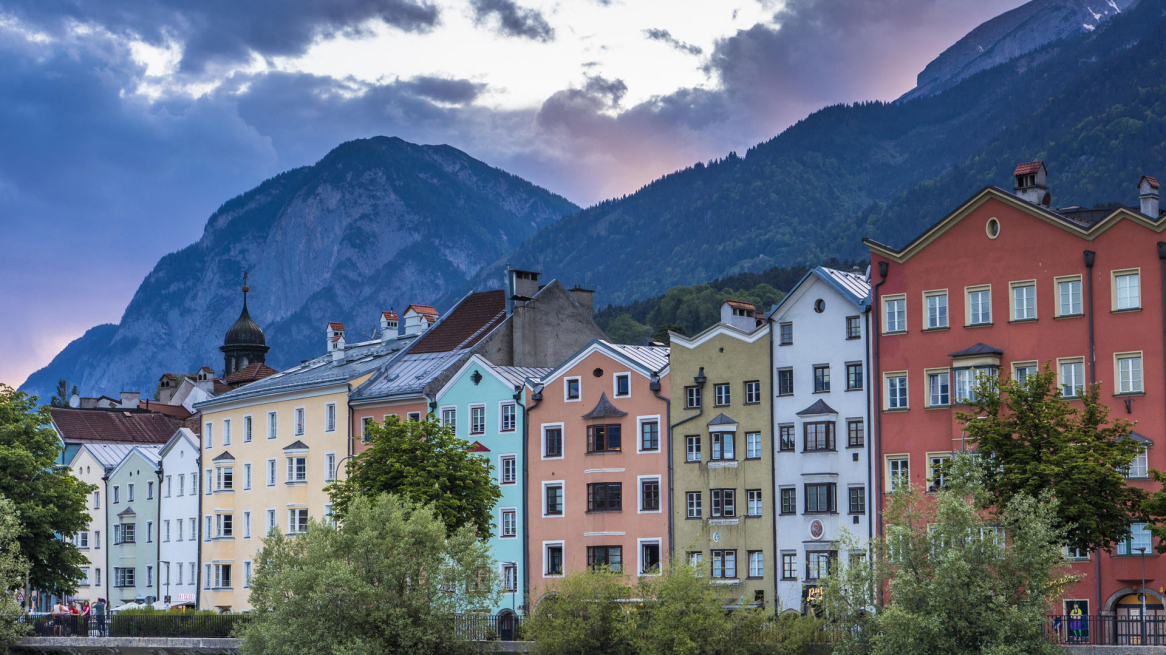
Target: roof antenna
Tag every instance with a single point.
(245, 288)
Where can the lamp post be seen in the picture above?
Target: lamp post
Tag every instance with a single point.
(1142, 594)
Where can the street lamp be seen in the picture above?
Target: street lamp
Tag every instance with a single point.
(1142, 593)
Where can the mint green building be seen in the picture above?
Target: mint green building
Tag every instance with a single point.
(132, 526)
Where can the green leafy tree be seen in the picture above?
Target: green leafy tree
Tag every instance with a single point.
(61, 398)
(1032, 439)
(13, 569)
(661, 335)
(585, 612)
(388, 580)
(625, 329)
(49, 501)
(425, 463)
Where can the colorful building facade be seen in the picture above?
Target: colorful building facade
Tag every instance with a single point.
(131, 523)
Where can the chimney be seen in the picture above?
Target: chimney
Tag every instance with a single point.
(520, 287)
(739, 314)
(418, 318)
(337, 345)
(130, 399)
(334, 332)
(1148, 194)
(1031, 183)
(584, 298)
(389, 325)
(205, 377)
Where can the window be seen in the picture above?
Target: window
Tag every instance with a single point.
(449, 418)
(116, 494)
(571, 389)
(854, 376)
(819, 436)
(853, 327)
(246, 439)
(414, 416)
(820, 498)
(1129, 373)
(694, 504)
(84, 582)
(97, 538)
(96, 500)
(753, 502)
(937, 472)
(724, 503)
(182, 484)
(897, 391)
(224, 526)
(553, 442)
(1072, 378)
(723, 446)
(271, 472)
(898, 472)
(610, 557)
(650, 495)
(206, 577)
(123, 577)
(246, 525)
(786, 436)
(1140, 467)
(297, 469)
(554, 500)
(692, 397)
(149, 491)
(123, 533)
(938, 389)
(82, 540)
(979, 306)
(509, 523)
(752, 445)
(509, 417)
(857, 500)
(208, 435)
(553, 559)
(1069, 297)
(329, 467)
(787, 333)
(299, 421)
(623, 385)
(297, 521)
(1022, 371)
(895, 314)
(1024, 301)
(693, 448)
(226, 432)
(752, 392)
(785, 382)
(789, 500)
(272, 425)
(696, 561)
(509, 470)
(149, 532)
(130, 492)
(724, 564)
(789, 566)
(649, 557)
(477, 420)
(509, 577)
(246, 575)
(1127, 290)
(603, 438)
(756, 564)
(818, 564)
(225, 478)
(169, 485)
(855, 434)
(329, 516)
(605, 497)
(270, 520)
(936, 310)
(330, 417)
(721, 396)
(222, 576)
(963, 385)
(650, 435)
(821, 378)
(1139, 538)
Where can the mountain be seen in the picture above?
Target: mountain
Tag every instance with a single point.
(1090, 105)
(1012, 34)
(376, 223)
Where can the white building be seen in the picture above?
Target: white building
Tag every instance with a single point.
(821, 429)
(92, 464)
(178, 520)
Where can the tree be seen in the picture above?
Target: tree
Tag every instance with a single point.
(388, 580)
(625, 329)
(13, 569)
(425, 463)
(50, 502)
(586, 612)
(61, 398)
(1032, 439)
(661, 335)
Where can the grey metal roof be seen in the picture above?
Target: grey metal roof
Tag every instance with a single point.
(296, 445)
(721, 419)
(517, 375)
(819, 407)
(108, 455)
(978, 349)
(129, 511)
(854, 286)
(604, 409)
(226, 455)
(407, 374)
(1137, 437)
(152, 454)
(653, 358)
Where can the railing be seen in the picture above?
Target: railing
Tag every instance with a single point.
(1108, 630)
(171, 624)
(506, 626)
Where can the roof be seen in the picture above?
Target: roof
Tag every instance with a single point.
(722, 419)
(180, 434)
(1029, 168)
(518, 375)
(245, 331)
(407, 374)
(978, 349)
(653, 358)
(108, 455)
(853, 287)
(336, 326)
(604, 409)
(466, 324)
(477, 447)
(251, 372)
(1153, 182)
(1137, 437)
(296, 445)
(819, 407)
(224, 456)
(177, 411)
(741, 304)
(390, 315)
(129, 511)
(111, 425)
(647, 360)
(424, 309)
(152, 454)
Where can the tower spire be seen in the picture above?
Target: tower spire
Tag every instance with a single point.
(245, 289)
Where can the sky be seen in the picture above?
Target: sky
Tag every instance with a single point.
(125, 123)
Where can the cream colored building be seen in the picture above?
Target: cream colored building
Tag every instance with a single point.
(92, 464)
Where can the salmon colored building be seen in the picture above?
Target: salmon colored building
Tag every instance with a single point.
(1006, 284)
(597, 458)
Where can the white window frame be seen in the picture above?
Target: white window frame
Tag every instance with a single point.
(502, 467)
(887, 377)
(247, 524)
(1137, 386)
(246, 574)
(928, 400)
(330, 416)
(562, 430)
(502, 512)
(546, 547)
(502, 405)
(927, 296)
(272, 425)
(1013, 287)
(226, 432)
(640, 543)
(1140, 466)
(566, 386)
(543, 506)
(640, 421)
(760, 445)
(640, 480)
(615, 384)
(248, 427)
(208, 434)
(299, 421)
(271, 521)
(481, 406)
(247, 476)
(1113, 280)
(1064, 279)
(889, 479)
(886, 300)
(329, 467)
(441, 411)
(272, 472)
(1061, 362)
(1016, 366)
(977, 289)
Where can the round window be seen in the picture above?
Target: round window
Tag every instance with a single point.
(819, 305)
(597, 372)
(993, 228)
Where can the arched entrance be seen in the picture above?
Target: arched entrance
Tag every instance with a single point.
(1137, 621)
(507, 625)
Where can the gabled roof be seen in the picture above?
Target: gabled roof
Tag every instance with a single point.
(295, 445)
(477, 447)
(117, 425)
(1143, 439)
(129, 511)
(224, 456)
(719, 329)
(336, 327)
(152, 455)
(1028, 168)
(740, 304)
(513, 376)
(721, 419)
(819, 407)
(853, 287)
(645, 360)
(251, 372)
(604, 409)
(465, 324)
(177, 411)
(978, 349)
(108, 455)
(421, 309)
(180, 434)
(1153, 182)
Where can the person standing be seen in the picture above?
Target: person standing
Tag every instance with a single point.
(99, 614)
(59, 612)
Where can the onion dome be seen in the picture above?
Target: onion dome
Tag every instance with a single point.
(245, 331)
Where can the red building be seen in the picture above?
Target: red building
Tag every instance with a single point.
(1005, 283)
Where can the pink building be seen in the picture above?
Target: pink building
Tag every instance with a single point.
(597, 486)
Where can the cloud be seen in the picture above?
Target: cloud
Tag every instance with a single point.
(664, 36)
(226, 31)
(442, 89)
(513, 20)
(612, 91)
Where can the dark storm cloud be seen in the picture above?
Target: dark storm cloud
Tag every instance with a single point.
(610, 91)
(227, 31)
(513, 20)
(444, 89)
(664, 36)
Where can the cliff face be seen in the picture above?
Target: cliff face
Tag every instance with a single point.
(377, 223)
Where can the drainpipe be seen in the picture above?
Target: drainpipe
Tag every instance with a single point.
(773, 467)
(525, 426)
(158, 541)
(1162, 280)
(877, 387)
(1090, 257)
(699, 379)
(197, 533)
(537, 397)
(870, 524)
(654, 385)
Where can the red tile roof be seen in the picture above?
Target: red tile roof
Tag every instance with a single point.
(390, 315)
(1028, 168)
(477, 447)
(1152, 181)
(336, 326)
(207, 369)
(177, 411)
(250, 373)
(220, 387)
(472, 319)
(422, 309)
(112, 425)
(740, 304)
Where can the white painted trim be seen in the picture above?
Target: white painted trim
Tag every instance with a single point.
(517, 527)
(501, 405)
(562, 544)
(267, 427)
(604, 471)
(640, 420)
(615, 387)
(718, 330)
(566, 380)
(503, 456)
(543, 450)
(543, 507)
(295, 415)
(604, 534)
(640, 555)
(248, 418)
(470, 410)
(474, 360)
(336, 416)
(225, 437)
(640, 479)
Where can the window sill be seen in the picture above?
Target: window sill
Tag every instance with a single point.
(297, 483)
(938, 407)
(855, 446)
(1057, 318)
(505, 431)
(1022, 320)
(604, 452)
(784, 395)
(977, 325)
(820, 450)
(604, 511)
(895, 332)
(758, 458)
(853, 338)
(224, 491)
(694, 518)
(756, 402)
(692, 461)
(508, 536)
(475, 434)
(1131, 310)
(223, 539)
(1129, 394)
(890, 410)
(819, 513)
(854, 389)
(823, 391)
(942, 328)
(725, 405)
(788, 343)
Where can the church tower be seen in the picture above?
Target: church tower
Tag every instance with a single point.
(245, 343)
